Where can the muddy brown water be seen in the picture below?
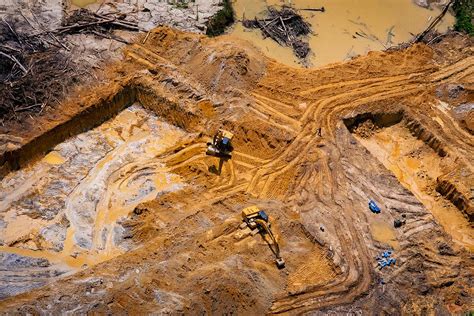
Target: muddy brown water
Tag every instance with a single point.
(83, 3)
(67, 207)
(346, 29)
(385, 233)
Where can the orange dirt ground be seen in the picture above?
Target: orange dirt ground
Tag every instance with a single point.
(189, 255)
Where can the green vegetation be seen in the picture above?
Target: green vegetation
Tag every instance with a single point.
(218, 23)
(181, 4)
(463, 10)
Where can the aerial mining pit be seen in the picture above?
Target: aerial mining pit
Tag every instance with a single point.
(113, 206)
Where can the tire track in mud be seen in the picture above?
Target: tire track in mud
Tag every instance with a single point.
(357, 279)
(387, 88)
(324, 113)
(332, 114)
(329, 111)
(316, 163)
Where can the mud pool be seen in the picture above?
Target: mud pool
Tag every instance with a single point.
(384, 233)
(67, 208)
(346, 29)
(82, 3)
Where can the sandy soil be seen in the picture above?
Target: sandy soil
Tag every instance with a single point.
(301, 156)
(417, 166)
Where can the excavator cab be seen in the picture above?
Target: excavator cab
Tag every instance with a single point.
(221, 145)
(258, 222)
(251, 214)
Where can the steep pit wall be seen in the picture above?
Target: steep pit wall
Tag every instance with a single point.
(167, 109)
(454, 193)
(379, 120)
(95, 112)
(92, 112)
(423, 163)
(420, 132)
(453, 185)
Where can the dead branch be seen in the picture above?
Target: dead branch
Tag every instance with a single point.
(85, 21)
(11, 29)
(77, 27)
(118, 39)
(322, 9)
(146, 37)
(12, 58)
(283, 26)
(46, 31)
(433, 23)
(34, 73)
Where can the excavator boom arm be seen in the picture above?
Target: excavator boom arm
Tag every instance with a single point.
(274, 245)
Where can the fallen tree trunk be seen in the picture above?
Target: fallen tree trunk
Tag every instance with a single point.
(322, 9)
(85, 21)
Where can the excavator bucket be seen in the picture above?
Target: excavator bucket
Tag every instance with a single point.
(280, 263)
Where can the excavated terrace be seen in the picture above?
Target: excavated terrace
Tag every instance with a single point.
(124, 214)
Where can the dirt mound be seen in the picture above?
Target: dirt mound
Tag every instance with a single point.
(217, 64)
(365, 129)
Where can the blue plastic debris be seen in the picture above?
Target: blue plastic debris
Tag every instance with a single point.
(385, 259)
(374, 207)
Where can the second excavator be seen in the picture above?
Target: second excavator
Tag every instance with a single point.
(258, 222)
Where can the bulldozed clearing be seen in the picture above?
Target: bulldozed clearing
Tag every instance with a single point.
(111, 207)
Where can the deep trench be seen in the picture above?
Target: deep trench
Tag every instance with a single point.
(94, 116)
(387, 119)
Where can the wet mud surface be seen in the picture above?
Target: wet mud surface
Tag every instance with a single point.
(67, 208)
(302, 153)
(417, 166)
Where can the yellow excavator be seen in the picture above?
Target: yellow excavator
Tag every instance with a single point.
(258, 222)
(221, 145)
